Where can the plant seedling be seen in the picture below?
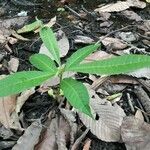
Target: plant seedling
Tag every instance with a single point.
(74, 91)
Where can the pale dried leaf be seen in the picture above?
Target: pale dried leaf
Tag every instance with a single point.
(107, 127)
(23, 98)
(135, 133)
(83, 39)
(116, 44)
(98, 55)
(132, 15)
(7, 106)
(120, 6)
(51, 22)
(139, 115)
(30, 138)
(13, 64)
(63, 44)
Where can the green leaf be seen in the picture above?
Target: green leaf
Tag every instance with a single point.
(21, 81)
(80, 54)
(31, 27)
(77, 94)
(115, 65)
(50, 42)
(43, 62)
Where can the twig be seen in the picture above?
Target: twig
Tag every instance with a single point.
(78, 141)
(74, 12)
(112, 32)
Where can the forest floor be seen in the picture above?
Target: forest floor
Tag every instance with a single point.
(33, 119)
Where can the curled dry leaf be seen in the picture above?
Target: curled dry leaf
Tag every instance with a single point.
(121, 5)
(107, 127)
(30, 138)
(63, 44)
(135, 133)
(22, 98)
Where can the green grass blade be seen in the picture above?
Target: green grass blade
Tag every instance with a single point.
(31, 27)
(77, 95)
(43, 62)
(50, 42)
(115, 65)
(21, 81)
(80, 54)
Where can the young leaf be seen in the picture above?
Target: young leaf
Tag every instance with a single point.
(21, 81)
(77, 94)
(115, 65)
(43, 62)
(50, 42)
(31, 27)
(80, 54)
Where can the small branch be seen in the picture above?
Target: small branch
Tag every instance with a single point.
(78, 141)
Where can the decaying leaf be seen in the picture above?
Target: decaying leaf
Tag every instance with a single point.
(22, 98)
(116, 44)
(121, 5)
(13, 64)
(135, 133)
(107, 127)
(83, 39)
(132, 15)
(56, 136)
(30, 138)
(63, 44)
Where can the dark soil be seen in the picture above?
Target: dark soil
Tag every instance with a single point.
(39, 105)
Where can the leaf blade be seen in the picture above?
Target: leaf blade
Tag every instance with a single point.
(21, 81)
(43, 62)
(50, 42)
(77, 94)
(80, 54)
(115, 65)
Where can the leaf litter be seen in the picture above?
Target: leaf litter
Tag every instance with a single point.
(112, 123)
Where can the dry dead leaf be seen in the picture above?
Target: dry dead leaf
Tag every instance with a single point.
(83, 39)
(56, 136)
(8, 117)
(22, 98)
(121, 5)
(132, 15)
(63, 44)
(30, 138)
(13, 65)
(107, 127)
(98, 55)
(135, 133)
(115, 43)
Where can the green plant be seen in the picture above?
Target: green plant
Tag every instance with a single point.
(75, 92)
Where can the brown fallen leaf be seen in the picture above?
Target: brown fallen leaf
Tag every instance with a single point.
(115, 43)
(56, 136)
(13, 65)
(135, 133)
(30, 138)
(121, 5)
(131, 15)
(107, 127)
